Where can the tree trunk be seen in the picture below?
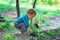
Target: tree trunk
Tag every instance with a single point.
(17, 8)
(34, 4)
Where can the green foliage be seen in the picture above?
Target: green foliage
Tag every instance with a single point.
(8, 19)
(4, 25)
(24, 1)
(44, 1)
(42, 20)
(47, 24)
(57, 13)
(39, 18)
(50, 2)
(49, 14)
(52, 33)
(44, 12)
(7, 8)
(9, 37)
(59, 27)
(7, 24)
(42, 35)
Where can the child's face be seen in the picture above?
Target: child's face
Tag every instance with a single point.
(31, 16)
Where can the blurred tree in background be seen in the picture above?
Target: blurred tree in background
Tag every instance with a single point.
(10, 5)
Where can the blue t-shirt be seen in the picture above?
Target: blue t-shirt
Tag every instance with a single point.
(23, 19)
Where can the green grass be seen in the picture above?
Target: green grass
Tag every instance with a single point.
(9, 37)
(7, 8)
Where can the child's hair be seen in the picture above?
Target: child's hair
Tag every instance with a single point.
(31, 12)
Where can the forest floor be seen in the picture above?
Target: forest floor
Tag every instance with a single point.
(54, 21)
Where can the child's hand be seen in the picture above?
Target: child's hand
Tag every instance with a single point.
(29, 29)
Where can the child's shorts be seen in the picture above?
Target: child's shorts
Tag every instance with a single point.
(21, 26)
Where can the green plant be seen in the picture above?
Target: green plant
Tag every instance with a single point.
(9, 37)
(7, 24)
(49, 14)
(52, 33)
(58, 27)
(47, 24)
(42, 35)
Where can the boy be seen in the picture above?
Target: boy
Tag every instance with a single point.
(22, 22)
